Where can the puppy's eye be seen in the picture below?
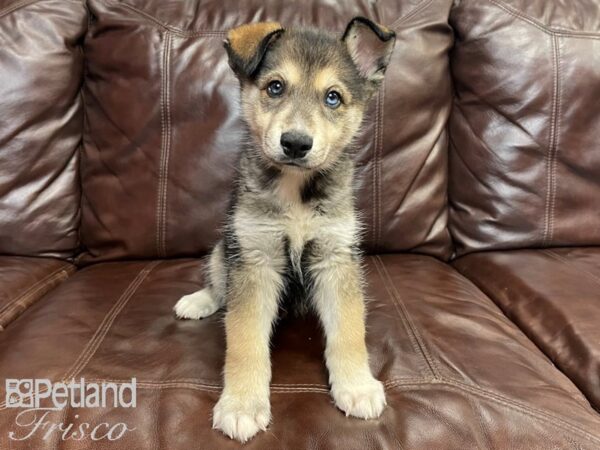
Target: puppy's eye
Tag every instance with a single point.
(275, 88)
(333, 99)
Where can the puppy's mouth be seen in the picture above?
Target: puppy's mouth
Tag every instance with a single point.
(295, 164)
(290, 163)
(283, 162)
(304, 165)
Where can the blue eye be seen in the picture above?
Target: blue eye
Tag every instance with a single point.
(333, 99)
(275, 88)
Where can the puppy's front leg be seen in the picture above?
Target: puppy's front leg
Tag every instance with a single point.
(243, 408)
(339, 301)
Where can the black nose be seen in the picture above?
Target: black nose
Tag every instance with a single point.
(295, 144)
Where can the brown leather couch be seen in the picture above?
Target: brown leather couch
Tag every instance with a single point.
(480, 169)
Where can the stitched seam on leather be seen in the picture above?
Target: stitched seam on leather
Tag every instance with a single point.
(31, 290)
(105, 325)
(174, 30)
(96, 340)
(412, 339)
(162, 148)
(165, 118)
(565, 261)
(374, 221)
(410, 14)
(374, 168)
(415, 340)
(373, 207)
(16, 6)
(215, 33)
(543, 27)
(60, 275)
(379, 144)
(168, 149)
(552, 142)
(507, 402)
(57, 438)
(27, 292)
(200, 387)
(516, 405)
(556, 137)
(276, 388)
(423, 347)
(407, 385)
(23, 300)
(211, 389)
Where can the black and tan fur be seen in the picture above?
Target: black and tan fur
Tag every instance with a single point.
(293, 228)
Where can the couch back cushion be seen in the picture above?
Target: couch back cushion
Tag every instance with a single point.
(525, 126)
(162, 127)
(41, 119)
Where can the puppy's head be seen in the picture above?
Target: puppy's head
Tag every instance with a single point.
(304, 91)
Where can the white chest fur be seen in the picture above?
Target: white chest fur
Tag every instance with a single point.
(298, 219)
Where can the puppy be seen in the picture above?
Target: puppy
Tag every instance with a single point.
(292, 220)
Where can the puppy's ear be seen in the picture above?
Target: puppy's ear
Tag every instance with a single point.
(247, 45)
(370, 46)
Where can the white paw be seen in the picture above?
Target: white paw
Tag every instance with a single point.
(364, 398)
(196, 306)
(241, 418)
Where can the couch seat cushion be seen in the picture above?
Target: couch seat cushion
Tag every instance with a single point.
(457, 372)
(554, 296)
(23, 281)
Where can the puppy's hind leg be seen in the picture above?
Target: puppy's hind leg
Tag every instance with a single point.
(207, 301)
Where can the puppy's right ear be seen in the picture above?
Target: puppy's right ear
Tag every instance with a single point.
(247, 45)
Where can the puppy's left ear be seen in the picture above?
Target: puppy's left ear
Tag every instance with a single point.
(248, 44)
(370, 46)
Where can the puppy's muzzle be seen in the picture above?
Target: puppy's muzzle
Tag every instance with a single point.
(295, 144)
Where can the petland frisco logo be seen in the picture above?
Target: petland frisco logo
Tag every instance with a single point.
(39, 397)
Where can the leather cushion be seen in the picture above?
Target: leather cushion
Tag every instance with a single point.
(41, 121)
(554, 296)
(23, 281)
(163, 129)
(458, 373)
(524, 159)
